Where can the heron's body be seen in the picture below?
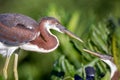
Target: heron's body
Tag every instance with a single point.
(19, 31)
(15, 30)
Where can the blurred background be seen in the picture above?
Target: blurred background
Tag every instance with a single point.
(97, 22)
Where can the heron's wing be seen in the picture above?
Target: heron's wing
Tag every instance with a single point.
(16, 29)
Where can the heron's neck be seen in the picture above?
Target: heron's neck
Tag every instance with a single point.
(46, 39)
(116, 76)
(112, 66)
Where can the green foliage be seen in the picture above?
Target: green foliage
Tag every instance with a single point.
(98, 38)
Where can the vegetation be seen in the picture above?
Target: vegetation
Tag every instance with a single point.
(97, 22)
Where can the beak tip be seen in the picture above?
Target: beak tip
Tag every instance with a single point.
(85, 50)
(81, 40)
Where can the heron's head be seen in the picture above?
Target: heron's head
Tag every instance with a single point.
(53, 23)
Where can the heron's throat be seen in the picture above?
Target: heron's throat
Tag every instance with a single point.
(46, 40)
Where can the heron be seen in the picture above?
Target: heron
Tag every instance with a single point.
(18, 31)
(115, 74)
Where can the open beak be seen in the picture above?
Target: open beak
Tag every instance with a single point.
(101, 56)
(64, 30)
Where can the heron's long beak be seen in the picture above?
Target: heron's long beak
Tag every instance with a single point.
(72, 35)
(93, 53)
(101, 56)
(64, 30)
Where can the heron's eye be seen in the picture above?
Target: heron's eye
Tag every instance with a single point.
(56, 23)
